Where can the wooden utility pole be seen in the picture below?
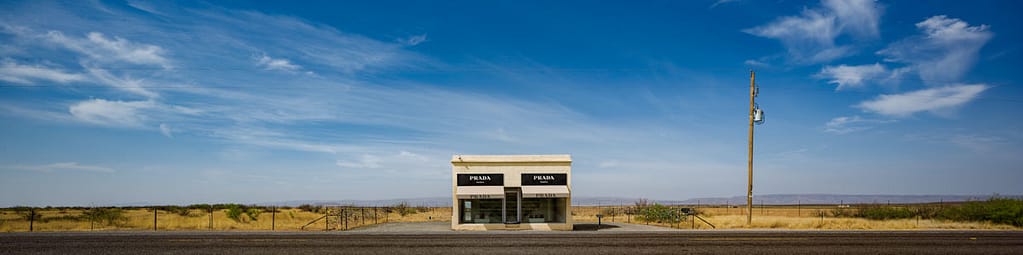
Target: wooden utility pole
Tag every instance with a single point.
(749, 193)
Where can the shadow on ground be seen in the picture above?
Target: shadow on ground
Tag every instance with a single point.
(592, 227)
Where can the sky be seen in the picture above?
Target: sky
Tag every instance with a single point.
(182, 102)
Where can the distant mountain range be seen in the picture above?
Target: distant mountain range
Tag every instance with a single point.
(774, 199)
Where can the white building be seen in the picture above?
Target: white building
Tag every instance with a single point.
(515, 192)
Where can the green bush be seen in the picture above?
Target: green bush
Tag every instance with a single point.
(885, 213)
(843, 212)
(658, 213)
(110, 216)
(234, 212)
(183, 211)
(253, 213)
(995, 210)
(310, 208)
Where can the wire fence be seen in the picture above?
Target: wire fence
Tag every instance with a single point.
(232, 217)
(212, 218)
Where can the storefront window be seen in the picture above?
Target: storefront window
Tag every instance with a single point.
(543, 210)
(480, 210)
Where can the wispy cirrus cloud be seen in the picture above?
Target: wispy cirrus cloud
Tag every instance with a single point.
(720, 2)
(280, 64)
(166, 130)
(11, 71)
(111, 113)
(413, 40)
(107, 50)
(811, 36)
(945, 51)
(127, 84)
(851, 124)
(845, 76)
(61, 166)
(926, 100)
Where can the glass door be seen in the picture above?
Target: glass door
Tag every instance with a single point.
(512, 205)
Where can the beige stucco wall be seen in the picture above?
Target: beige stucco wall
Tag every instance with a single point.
(512, 166)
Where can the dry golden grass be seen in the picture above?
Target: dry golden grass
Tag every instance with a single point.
(770, 217)
(787, 217)
(285, 220)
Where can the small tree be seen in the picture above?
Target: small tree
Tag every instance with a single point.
(658, 213)
(234, 212)
(110, 216)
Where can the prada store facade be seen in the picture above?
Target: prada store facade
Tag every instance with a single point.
(511, 192)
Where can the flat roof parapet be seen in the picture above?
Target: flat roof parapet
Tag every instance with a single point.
(558, 158)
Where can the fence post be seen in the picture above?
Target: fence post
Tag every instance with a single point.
(31, 219)
(693, 219)
(154, 218)
(211, 218)
(374, 215)
(273, 218)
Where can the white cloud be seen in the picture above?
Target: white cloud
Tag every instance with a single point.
(25, 74)
(849, 124)
(100, 48)
(112, 113)
(720, 2)
(945, 52)
(366, 161)
(127, 84)
(280, 64)
(853, 76)
(144, 6)
(413, 156)
(62, 166)
(413, 40)
(755, 63)
(858, 17)
(930, 100)
(810, 37)
(166, 130)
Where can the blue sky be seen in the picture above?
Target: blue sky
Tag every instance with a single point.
(233, 101)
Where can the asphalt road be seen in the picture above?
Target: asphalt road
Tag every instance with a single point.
(683, 242)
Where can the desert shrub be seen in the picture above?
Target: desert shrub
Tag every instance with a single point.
(310, 208)
(658, 213)
(403, 209)
(28, 213)
(843, 212)
(203, 207)
(183, 211)
(927, 212)
(996, 210)
(885, 213)
(62, 217)
(234, 212)
(110, 216)
(253, 213)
